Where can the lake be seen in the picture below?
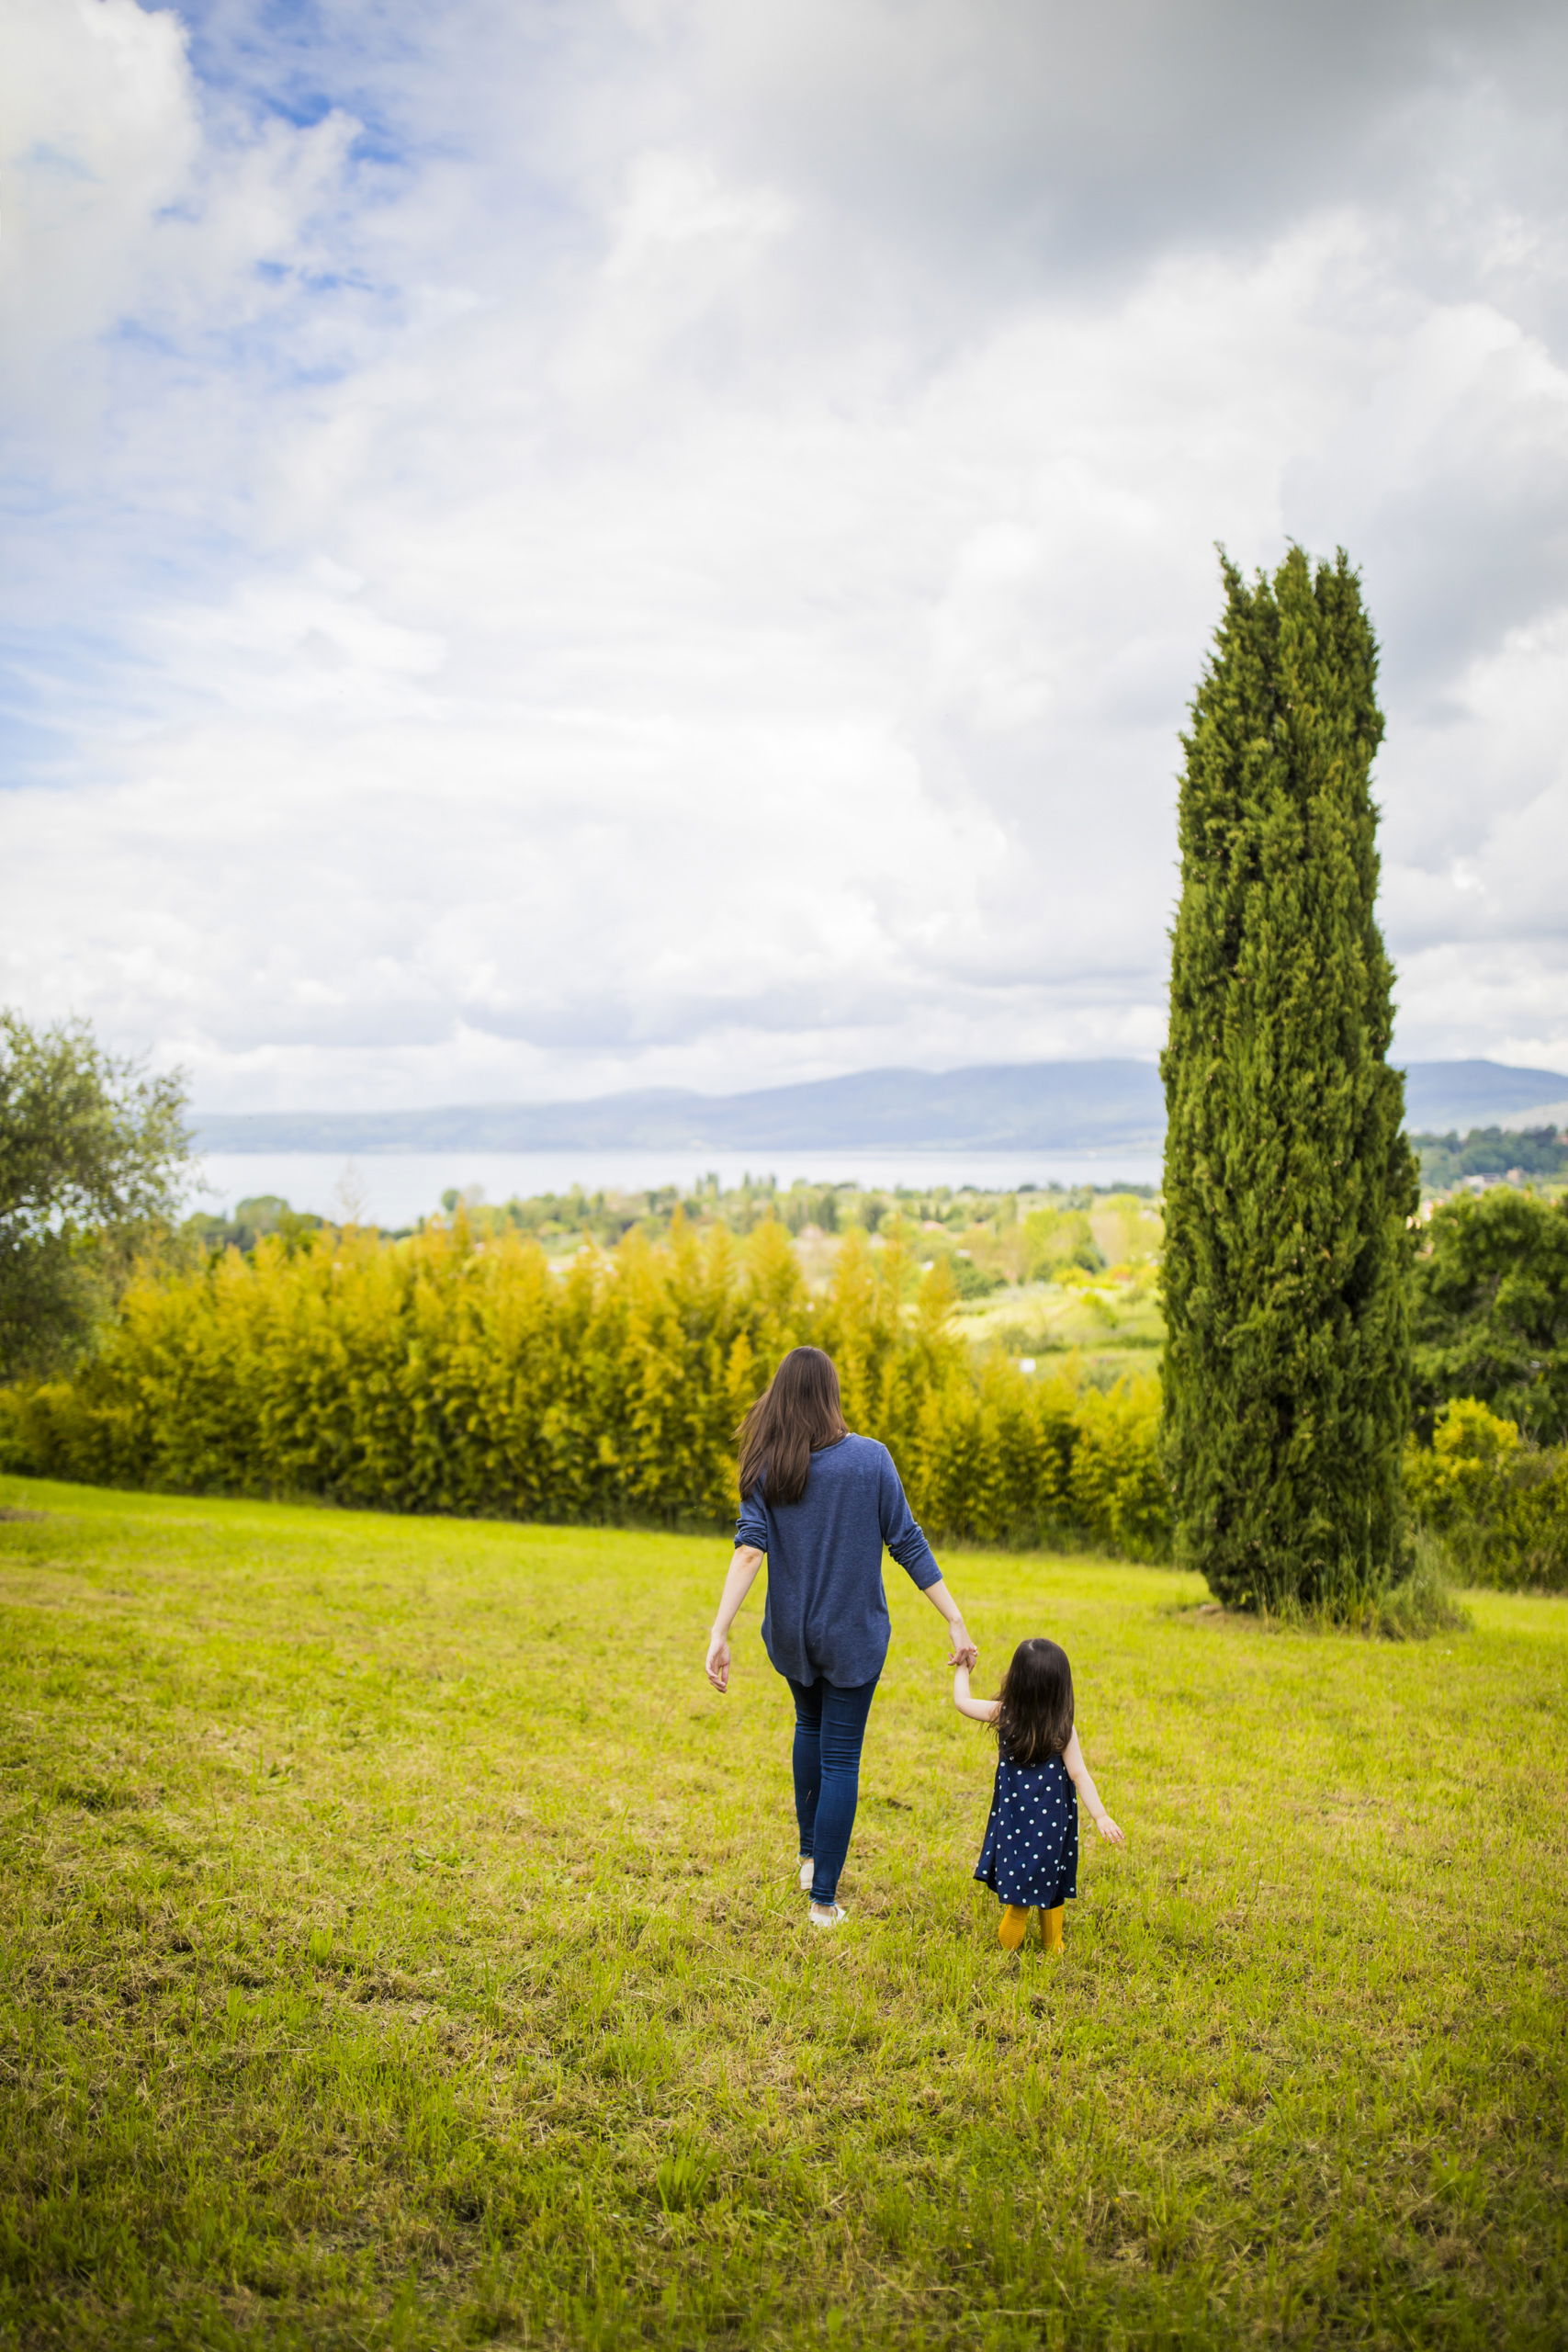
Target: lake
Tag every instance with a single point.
(395, 1188)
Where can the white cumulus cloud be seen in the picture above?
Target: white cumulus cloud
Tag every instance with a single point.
(671, 544)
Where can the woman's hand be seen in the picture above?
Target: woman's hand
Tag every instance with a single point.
(744, 1564)
(1107, 1830)
(964, 1652)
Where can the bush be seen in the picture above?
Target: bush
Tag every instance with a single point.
(457, 1373)
(971, 1281)
(1498, 1506)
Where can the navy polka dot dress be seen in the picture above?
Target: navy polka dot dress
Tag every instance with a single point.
(1030, 1854)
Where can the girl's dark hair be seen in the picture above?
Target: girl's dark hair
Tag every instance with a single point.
(1036, 1718)
(797, 1414)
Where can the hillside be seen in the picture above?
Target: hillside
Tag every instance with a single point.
(1056, 1106)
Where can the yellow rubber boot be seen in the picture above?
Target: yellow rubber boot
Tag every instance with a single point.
(1012, 1927)
(1051, 1927)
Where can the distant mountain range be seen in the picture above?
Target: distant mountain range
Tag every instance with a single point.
(1015, 1106)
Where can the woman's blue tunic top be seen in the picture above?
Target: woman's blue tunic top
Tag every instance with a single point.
(826, 1613)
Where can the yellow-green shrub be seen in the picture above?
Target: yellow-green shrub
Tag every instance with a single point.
(1498, 1506)
(460, 1372)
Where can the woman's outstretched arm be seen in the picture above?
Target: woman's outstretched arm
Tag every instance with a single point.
(964, 1650)
(742, 1576)
(904, 1538)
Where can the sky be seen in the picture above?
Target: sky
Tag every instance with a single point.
(562, 544)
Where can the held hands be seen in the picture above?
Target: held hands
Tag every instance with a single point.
(964, 1652)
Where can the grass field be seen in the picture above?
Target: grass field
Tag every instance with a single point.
(403, 1949)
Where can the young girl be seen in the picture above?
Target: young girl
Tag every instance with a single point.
(1030, 1859)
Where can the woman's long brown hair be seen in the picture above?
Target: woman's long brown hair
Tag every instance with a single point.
(1036, 1718)
(797, 1414)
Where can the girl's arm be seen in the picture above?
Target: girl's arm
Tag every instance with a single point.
(979, 1711)
(742, 1576)
(1078, 1773)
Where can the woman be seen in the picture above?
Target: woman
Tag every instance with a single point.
(819, 1504)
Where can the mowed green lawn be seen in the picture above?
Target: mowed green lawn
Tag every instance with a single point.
(403, 1948)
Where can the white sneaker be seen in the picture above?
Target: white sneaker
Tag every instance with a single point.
(829, 1918)
(807, 1873)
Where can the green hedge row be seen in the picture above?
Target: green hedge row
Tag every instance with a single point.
(456, 1373)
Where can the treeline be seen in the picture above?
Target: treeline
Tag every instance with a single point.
(1531, 1152)
(1021, 1229)
(462, 1369)
(459, 1372)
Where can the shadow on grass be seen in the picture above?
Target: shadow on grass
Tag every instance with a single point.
(1415, 1611)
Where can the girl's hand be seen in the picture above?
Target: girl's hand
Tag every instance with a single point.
(718, 1667)
(1108, 1831)
(964, 1650)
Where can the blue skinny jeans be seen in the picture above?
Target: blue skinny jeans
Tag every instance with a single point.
(829, 1725)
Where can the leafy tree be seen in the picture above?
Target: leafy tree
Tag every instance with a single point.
(91, 1148)
(1058, 1237)
(264, 1213)
(1289, 1183)
(1491, 1310)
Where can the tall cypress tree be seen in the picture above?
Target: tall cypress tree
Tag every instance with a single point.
(1288, 1183)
